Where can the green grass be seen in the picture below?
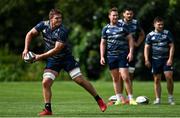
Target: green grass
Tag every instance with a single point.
(24, 99)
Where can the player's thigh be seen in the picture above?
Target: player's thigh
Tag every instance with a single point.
(51, 70)
(115, 74)
(168, 74)
(157, 66)
(124, 73)
(72, 67)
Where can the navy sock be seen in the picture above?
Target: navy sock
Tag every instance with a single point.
(48, 106)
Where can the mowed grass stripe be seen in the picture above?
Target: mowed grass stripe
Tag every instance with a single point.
(24, 99)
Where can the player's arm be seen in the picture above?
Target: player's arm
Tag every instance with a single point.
(131, 47)
(171, 54)
(146, 55)
(57, 48)
(140, 38)
(29, 36)
(102, 51)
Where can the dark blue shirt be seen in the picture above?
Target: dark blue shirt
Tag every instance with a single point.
(159, 42)
(116, 41)
(133, 27)
(50, 37)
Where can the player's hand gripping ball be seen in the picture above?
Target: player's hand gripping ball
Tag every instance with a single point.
(29, 57)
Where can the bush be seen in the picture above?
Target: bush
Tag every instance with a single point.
(13, 68)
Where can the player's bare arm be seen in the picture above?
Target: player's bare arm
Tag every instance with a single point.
(146, 55)
(171, 54)
(32, 33)
(131, 47)
(58, 47)
(102, 51)
(140, 39)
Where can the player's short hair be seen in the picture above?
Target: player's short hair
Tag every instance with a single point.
(128, 9)
(113, 9)
(54, 12)
(158, 19)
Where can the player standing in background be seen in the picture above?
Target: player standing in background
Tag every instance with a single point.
(58, 56)
(118, 43)
(160, 45)
(138, 36)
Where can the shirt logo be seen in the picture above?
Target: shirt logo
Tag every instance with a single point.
(44, 31)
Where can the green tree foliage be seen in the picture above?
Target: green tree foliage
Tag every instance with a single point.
(85, 20)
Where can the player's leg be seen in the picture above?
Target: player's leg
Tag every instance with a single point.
(157, 69)
(118, 86)
(48, 78)
(78, 78)
(131, 76)
(170, 86)
(157, 88)
(131, 69)
(168, 72)
(125, 76)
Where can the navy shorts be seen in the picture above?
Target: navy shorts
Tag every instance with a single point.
(159, 66)
(68, 64)
(118, 61)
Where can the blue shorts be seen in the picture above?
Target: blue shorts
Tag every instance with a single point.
(118, 61)
(67, 63)
(159, 66)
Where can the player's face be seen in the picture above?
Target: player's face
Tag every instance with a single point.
(159, 26)
(128, 15)
(113, 17)
(56, 20)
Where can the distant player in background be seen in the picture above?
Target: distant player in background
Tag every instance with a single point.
(138, 36)
(160, 45)
(118, 43)
(58, 56)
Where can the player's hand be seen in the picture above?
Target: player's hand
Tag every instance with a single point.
(102, 61)
(24, 53)
(130, 57)
(169, 62)
(147, 63)
(37, 57)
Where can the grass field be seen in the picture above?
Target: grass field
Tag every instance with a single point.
(24, 99)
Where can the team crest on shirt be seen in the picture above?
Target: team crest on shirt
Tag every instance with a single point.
(153, 38)
(108, 31)
(56, 34)
(44, 31)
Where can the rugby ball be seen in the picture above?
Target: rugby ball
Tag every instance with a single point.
(142, 100)
(29, 57)
(113, 98)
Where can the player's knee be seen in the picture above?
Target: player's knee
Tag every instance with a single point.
(79, 80)
(115, 80)
(46, 83)
(168, 76)
(48, 78)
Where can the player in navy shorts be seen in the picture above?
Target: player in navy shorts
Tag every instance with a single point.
(117, 42)
(58, 56)
(160, 45)
(138, 36)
